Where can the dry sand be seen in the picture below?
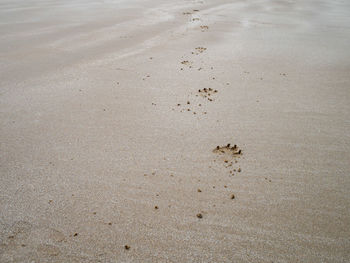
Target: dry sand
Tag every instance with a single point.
(99, 163)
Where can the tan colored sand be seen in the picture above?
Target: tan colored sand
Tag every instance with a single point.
(92, 138)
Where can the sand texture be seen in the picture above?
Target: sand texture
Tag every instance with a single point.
(174, 131)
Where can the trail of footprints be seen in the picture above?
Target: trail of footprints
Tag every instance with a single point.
(206, 93)
(227, 155)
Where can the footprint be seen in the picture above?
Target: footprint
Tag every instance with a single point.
(200, 49)
(228, 155)
(233, 151)
(207, 93)
(204, 28)
(186, 62)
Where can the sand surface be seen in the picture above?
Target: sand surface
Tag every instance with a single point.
(96, 153)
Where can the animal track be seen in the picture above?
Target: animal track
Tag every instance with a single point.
(196, 107)
(200, 49)
(204, 28)
(187, 63)
(207, 93)
(228, 150)
(229, 156)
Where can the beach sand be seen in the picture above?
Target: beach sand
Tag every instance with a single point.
(111, 113)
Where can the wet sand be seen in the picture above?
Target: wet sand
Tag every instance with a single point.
(116, 118)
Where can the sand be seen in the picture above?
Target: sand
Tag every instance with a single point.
(108, 142)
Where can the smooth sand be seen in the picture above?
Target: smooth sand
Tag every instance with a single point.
(92, 138)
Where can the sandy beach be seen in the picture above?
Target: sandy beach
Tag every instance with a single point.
(174, 131)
